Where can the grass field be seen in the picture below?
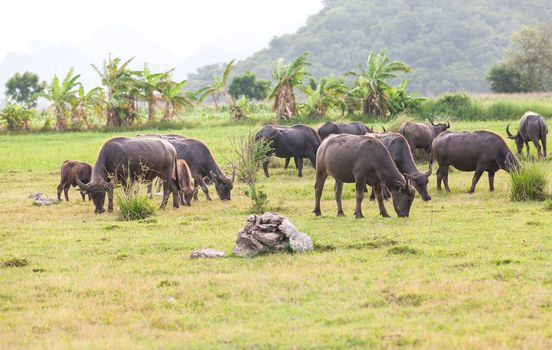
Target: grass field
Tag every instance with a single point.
(463, 272)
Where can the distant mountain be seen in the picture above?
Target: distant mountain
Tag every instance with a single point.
(450, 45)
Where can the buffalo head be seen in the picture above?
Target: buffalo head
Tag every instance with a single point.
(439, 128)
(186, 195)
(223, 185)
(420, 182)
(517, 138)
(97, 191)
(403, 196)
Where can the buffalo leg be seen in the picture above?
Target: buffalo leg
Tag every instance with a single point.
(299, 166)
(165, 194)
(265, 168)
(476, 177)
(372, 194)
(318, 188)
(379, 194)
(538, 147)
(441, 173)
(66, 191)
(159, 186)
(312, 159)
(360, 186)
(196, 188)
(338, 190)
(527, 146)
(59, 189)
(83, 195)
(295, 161)
(543, 140)
(491, 180)
(176, 193)
(149, 187)
(204, 188)
(286, 164)
(110, 200)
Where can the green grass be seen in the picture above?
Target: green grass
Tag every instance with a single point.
(528, 183)
(133, 206)
(463, 272)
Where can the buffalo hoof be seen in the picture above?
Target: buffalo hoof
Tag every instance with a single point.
(385, 215)
(359, 215)
(340, 214)
(317, 212)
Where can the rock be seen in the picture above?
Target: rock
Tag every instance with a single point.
(41, 200)
(270, 232)
(207, 253)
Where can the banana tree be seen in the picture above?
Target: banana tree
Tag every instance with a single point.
(326, 94)
(218, 87)
(118, 80)
(175, 98)
(83, 103)
(288, 77)
(150, 84)
(62, 96)
(371, 83)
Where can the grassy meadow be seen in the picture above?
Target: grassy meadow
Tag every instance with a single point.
(463, 272)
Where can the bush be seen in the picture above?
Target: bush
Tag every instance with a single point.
(133, 206)
(16, 117)
(528, 183)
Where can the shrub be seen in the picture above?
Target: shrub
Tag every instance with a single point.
(16, 117)
(528, 183)
(132, 205)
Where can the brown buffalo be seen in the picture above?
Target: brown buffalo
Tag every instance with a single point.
(186, 187)
(70, 170)
(477, 151)
(363, 160)
(532, 127)
(421, 135)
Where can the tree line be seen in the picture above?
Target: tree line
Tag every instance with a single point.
(124, 93)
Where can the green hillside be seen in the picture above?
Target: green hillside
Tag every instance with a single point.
(450, 45)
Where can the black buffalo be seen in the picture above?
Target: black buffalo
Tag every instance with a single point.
(332, 128)
(126, 159)
(363, 160)
(400, 152)
(298, 141)
(532, 127)
(477, 151)
(202, 165)
(421, 135)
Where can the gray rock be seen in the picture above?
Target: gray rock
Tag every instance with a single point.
(207, 253)
(270, 232)
(41, 200)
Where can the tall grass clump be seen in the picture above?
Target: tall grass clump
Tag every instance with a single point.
(528, 183)
(396, 123)
(133, 205)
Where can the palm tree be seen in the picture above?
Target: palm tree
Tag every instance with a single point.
(175, 98)
(61, 95)
(117, 80)
(150, 84)
(288, 77)
(218, 87)
(371, 82)
(327, 93)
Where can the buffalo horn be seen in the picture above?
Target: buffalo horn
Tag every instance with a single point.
(510, 136)
(81, 184)
(433, 122)
(383, 127)
(448, 124)
(428, 173)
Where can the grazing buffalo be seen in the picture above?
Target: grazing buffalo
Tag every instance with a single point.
(202, 165)
(184, 176)
(477, 151)
(363, 160)
(330, 128)
(70, 169)
(532, 127)
(128, 159)
(298, 141)
(401, 154)
(421, 135)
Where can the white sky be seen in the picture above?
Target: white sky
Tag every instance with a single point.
(180, 27)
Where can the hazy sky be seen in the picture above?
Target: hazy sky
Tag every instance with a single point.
(181, 27)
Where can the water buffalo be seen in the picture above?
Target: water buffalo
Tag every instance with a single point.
(477, 151)
(298, 141)
(202, 165)
(421, 135)
(363, 160)
(70, 169)
(532, 127)
(354, 128)
(401, 154)
(128, 159)
(184, 176)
